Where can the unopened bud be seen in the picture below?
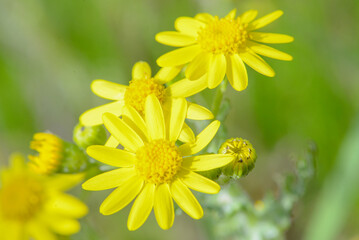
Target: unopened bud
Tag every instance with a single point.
(87, 136)
(245, 157)
(55, 155)
(50, 150)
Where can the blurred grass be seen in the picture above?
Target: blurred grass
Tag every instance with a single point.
(339, 194)
(51, 51)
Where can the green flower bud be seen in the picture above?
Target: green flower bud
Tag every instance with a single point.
(55, 155)
(87, 136)
(75, 160)
(245, 157)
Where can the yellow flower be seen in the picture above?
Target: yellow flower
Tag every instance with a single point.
(152, 168)
(142, 85)
(219, 46)
(34, 206)
(51, 153)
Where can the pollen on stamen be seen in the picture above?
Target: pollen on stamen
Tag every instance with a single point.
(139, 89)
(223, 35)
(158, 161)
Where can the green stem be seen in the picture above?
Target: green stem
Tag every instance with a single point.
(217, 102)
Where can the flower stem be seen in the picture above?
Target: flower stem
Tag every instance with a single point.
(217, 101)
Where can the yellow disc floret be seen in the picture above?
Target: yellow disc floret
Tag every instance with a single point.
(50, 149)
(158, 161)
(21, 198)
(224, 35)
(139, 89)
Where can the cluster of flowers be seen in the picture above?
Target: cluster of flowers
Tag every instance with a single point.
(158, 160)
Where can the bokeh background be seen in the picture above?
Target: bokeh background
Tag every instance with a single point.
(50, 51)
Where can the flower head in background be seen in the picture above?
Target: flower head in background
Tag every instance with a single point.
(142, 85)
(216, 47)
(34, 206)
(152, 168)
(50, 150)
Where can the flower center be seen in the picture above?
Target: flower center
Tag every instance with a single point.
(226, 36)
(50, 149)
(158, 161)
(139, 89)
(21, 199)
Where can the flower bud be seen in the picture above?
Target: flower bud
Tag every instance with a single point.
(50, 150)
(87, 136)
(55, 155)
(245, 157)
(75, 160)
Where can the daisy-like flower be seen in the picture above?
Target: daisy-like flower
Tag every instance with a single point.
(152, 168)
(219, 46)
(142, 85)
(34, 206)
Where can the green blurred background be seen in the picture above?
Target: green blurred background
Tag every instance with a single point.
(50, 51)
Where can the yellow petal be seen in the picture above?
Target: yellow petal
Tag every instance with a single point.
(134, 120)
(175, 39)
(231, 14)
(188, 25)
(141, 70)
(248, 16)
(166, 74)
(202, 140)
(112, 142)
(186, 88)
(64, 182)
(93, 116)
(177, 117)
(198, 183)
(108, 180)
(108, 90)
(17, 162)
(186, 135)
(204, 17)
(154, 118)
(197, 112)
(257, 63)
(39, 231)
(142, 207)
(185, 199)
(269, 51)
(121, 196)
(65, 205)
(198, 66)
(236, 72)
(163, 207)
(122, 132)
(179, 56)
(12, 230)
(207, 162)
(270, 37)
(111, 156)
(217, 70)
(264, 21)
(62, 225)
